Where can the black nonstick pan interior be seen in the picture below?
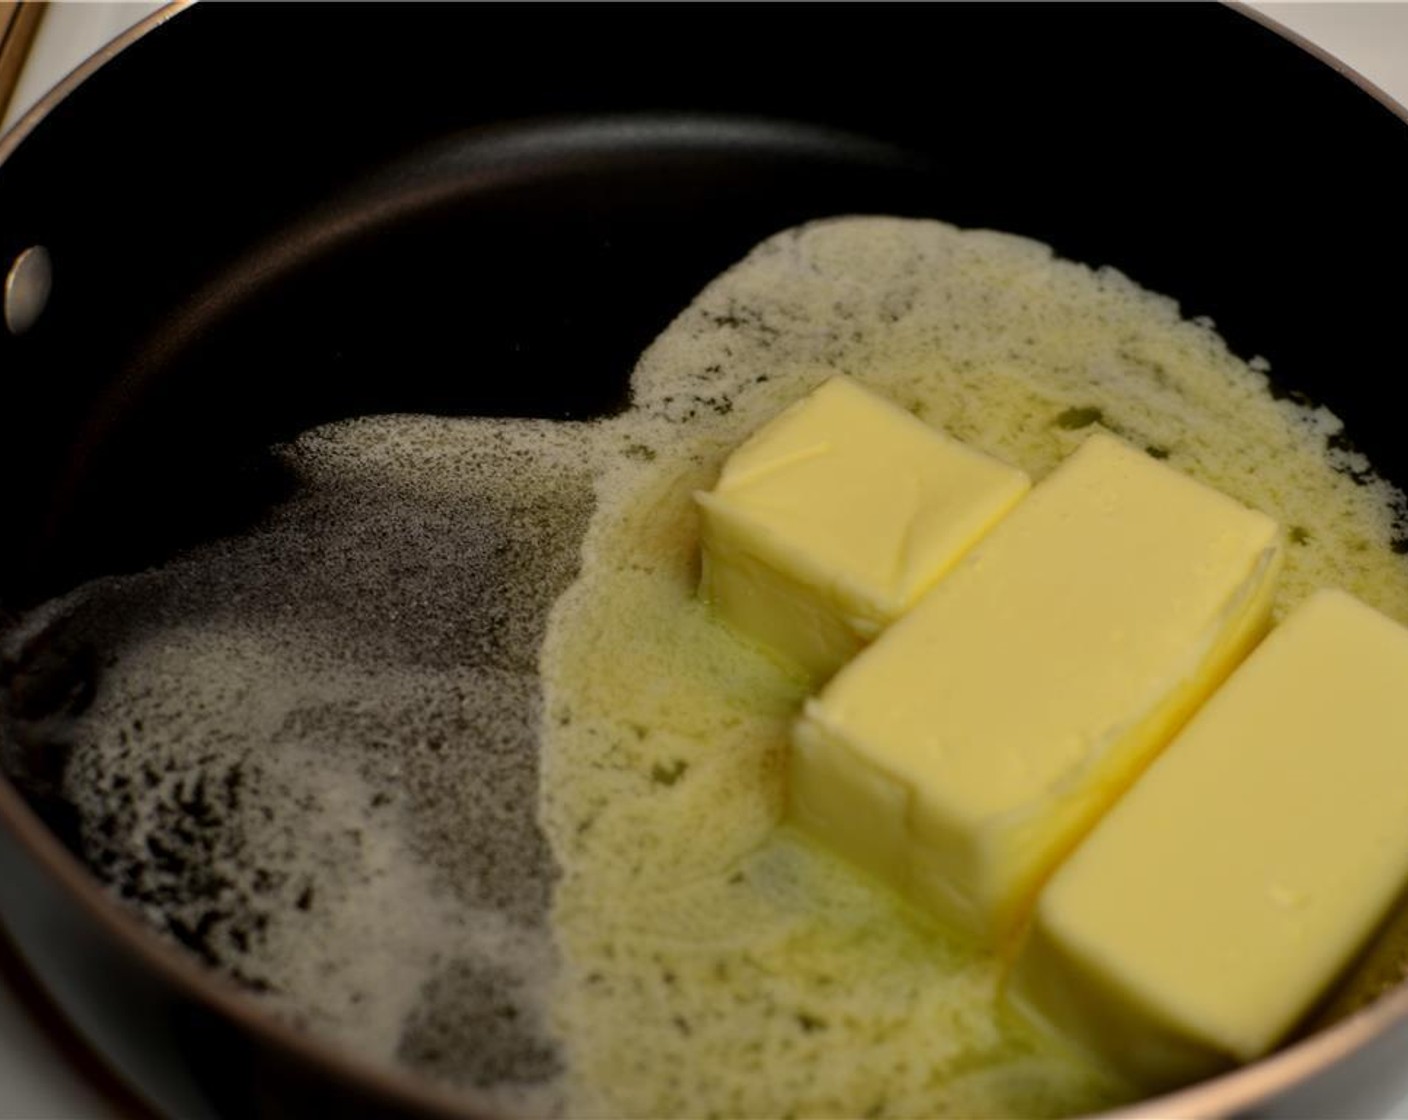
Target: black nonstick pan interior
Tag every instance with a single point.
(261, 219)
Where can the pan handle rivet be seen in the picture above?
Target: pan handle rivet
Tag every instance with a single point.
(27, 288)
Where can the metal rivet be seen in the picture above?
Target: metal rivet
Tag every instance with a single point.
(27, 288)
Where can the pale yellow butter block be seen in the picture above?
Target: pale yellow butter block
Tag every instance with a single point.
(834, 517)
(962, 754)
(1216, 903)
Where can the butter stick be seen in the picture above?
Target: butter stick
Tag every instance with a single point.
(834, 517)
(1221, 897)
(962, 754)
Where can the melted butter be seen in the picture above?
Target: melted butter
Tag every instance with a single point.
(312, 753)
(713, 965)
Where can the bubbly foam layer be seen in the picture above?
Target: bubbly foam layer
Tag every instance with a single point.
(310, 754)
(353, 760)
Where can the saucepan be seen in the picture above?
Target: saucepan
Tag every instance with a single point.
(244, 221)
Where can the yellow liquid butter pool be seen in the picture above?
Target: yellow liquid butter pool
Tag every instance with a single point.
(713, 966)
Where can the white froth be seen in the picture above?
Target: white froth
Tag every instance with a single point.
(310, 753)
